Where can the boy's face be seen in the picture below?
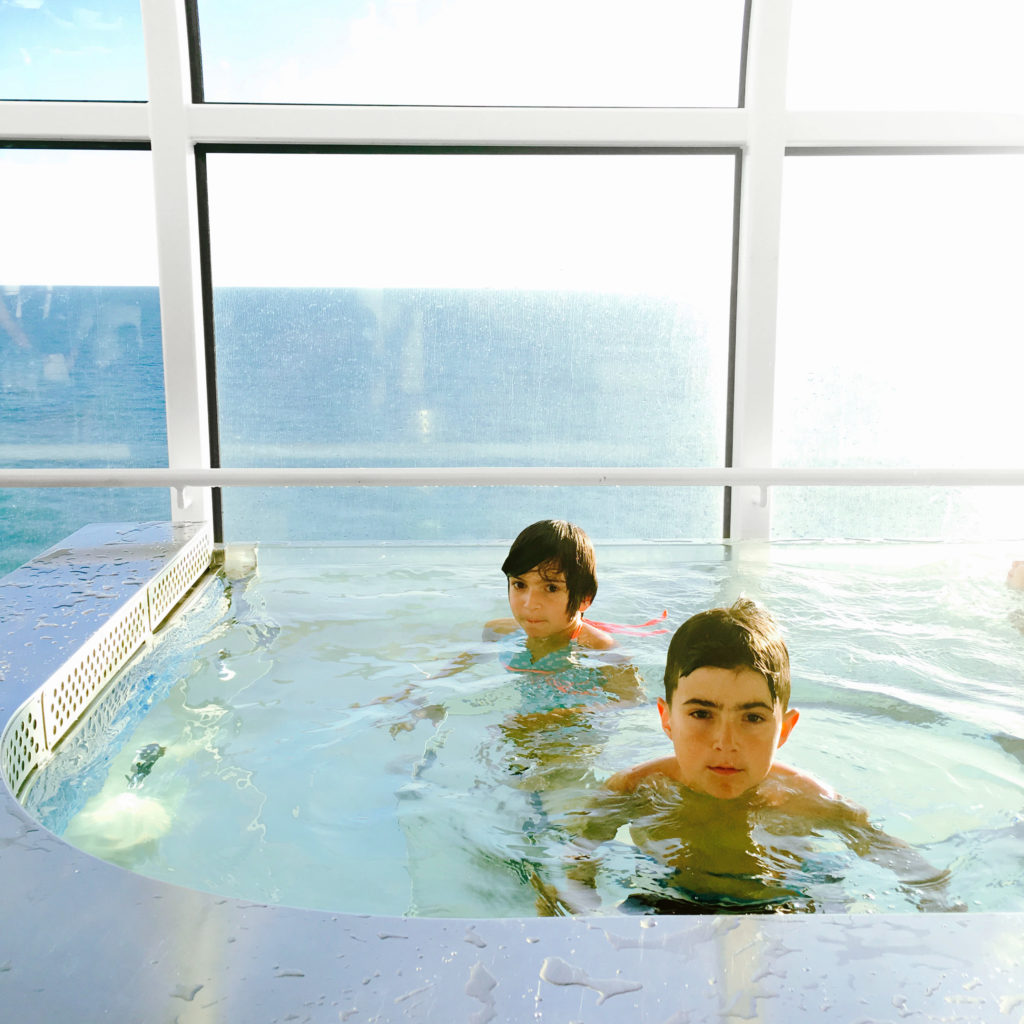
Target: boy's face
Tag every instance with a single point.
(539, 600)
(725, 730)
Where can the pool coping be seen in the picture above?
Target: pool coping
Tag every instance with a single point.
(85, 940)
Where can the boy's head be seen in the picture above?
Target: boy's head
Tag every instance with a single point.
(743, 635)
(726, 699)
(554, 546)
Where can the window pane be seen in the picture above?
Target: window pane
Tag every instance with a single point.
(464, 52)
(470, 310)
(63, 50)
(445, 514)
(81, 371)
(906, 55)
(900, 338)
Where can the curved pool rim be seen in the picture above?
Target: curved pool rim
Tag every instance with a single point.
(85, 940)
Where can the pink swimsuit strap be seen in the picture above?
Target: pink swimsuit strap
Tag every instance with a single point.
(640, 630)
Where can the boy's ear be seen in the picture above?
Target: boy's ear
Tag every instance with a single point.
(585, 604)
(665, 712)
(789, 720)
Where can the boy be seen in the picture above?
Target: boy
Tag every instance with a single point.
(551, 579)
(724, 825)
(551, 583)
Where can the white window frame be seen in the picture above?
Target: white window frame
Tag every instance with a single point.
(763, 130)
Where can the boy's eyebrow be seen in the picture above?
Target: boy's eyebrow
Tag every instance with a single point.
(701, 702)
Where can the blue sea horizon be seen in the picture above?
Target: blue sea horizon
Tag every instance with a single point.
(357, 377)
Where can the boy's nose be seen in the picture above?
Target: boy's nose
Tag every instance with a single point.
(724, 736)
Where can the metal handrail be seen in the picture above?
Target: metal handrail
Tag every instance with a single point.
(543, 476)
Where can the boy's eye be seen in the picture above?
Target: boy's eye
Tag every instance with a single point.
(754, 718)
(553, 588)
(700, 713)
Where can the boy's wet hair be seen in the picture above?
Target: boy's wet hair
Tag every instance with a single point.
(553, 545)
(741, 636)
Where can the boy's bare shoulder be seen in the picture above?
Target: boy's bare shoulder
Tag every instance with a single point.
(807, 796)
(628, 780)
(594, 638)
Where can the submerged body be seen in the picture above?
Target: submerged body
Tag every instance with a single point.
(746, 850)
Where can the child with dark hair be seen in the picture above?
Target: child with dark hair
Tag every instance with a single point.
(560, 662)
(719, 824)
(552, 581)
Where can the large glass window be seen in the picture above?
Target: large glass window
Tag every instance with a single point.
(81, 365)
(470, 309)
(66, 50)
(906, 55)
(679, 53)
(900, 339)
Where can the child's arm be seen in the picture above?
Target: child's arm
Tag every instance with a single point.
(575, 890)
(927, 885)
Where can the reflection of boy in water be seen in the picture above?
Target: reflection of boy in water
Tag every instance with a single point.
(726, 821)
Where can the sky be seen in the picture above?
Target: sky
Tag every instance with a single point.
(527, 52)
(644, 224)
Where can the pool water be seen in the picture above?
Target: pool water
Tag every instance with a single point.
(329, 730)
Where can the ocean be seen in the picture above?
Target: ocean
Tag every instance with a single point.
(358, 377)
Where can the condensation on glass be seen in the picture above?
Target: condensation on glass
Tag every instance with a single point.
(657, 53)
(466, 309)
(906, 55)
(81, 361)
(67, 50)
(900, 341)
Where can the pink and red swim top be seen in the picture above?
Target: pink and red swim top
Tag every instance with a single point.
(617, 627)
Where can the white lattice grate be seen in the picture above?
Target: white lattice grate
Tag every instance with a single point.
(173, 583)
(41, 723)
(24, 747)
(67, 693)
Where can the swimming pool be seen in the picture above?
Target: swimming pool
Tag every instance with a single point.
(242, 727)
(96, 936)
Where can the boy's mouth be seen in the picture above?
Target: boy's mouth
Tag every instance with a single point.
(724, 769)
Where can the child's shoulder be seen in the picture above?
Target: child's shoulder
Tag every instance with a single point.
(594, 638)
(806, 796)
(629, 779)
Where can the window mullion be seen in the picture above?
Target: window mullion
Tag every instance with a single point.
(177, 231)
(760, 211)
